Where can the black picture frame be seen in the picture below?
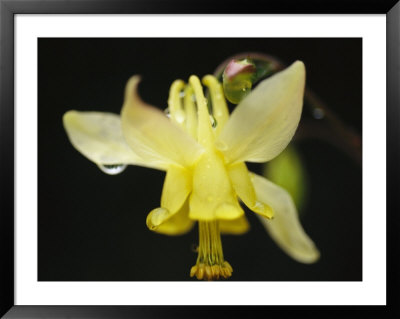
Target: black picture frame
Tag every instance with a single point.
(8, 11)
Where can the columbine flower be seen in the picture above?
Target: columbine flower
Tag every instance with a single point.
(203, 154)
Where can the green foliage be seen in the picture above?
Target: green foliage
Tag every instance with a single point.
(287, 170)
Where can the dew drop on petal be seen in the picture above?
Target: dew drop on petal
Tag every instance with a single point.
(112, 169)
(221, 146)
(167, 113)
(263, 209)
(213, 121)
(179, 116)
(259, 206)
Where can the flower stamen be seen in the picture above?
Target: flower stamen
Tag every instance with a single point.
(210, 263)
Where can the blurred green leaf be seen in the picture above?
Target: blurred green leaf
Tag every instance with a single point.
(287, 170)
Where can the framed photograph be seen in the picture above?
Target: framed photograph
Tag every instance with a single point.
(161, 154)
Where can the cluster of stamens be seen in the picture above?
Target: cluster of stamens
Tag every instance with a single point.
(210, 261)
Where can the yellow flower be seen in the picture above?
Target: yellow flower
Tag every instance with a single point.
(204, 158)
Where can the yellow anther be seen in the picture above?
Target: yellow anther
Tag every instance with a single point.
(205, 134)
(175, 102)
(220, 109)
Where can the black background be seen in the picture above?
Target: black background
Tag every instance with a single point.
(92, 225)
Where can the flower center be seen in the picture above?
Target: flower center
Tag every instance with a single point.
(210, 263)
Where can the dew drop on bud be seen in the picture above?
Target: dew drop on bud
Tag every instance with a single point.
(237, 79)
(113, 169)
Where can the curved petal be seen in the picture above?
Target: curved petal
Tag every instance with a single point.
(98, 136)
(236, 226)
(241, 182)
(285, 228)
(152, 135)
(177, 224)
(263, 124)
(213, 196)
(177, 186)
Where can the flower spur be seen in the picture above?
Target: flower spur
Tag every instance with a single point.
(203, 151)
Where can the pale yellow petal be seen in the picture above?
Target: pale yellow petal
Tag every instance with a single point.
(98, 136)
(177, 186)
(240, 178)
(213, 196)
(285, 228)
(241, 182)
(263, 124)
(152, 135)
(177, 224)
(236, 226)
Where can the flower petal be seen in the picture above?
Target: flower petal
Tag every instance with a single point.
(177, 186)
(285, 228)
(213, 196)
(98, 136)
(236, 226)
(241, 182)
(152, 135)
(177, 224)
(263, 124)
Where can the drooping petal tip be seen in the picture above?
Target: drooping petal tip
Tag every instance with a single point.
(98, 136)
(285, 228)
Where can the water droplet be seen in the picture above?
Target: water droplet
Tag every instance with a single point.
(260, 207)
(194, 248)
(318, 113)
(113, 169)
(221, 146)
(263, 209)
(179, 116)
(167, 112)
(236, 91)
(213, 121)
